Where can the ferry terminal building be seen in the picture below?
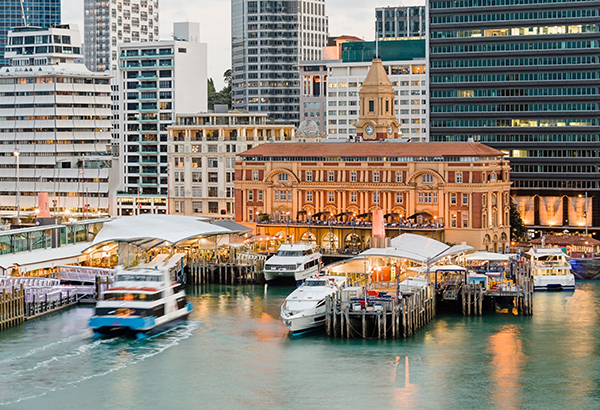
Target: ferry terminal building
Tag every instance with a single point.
(325, 193)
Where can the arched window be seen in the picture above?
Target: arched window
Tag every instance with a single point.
(330, 241)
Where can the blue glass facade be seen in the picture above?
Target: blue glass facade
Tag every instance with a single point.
(18, 13)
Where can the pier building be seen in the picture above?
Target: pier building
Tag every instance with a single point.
(325, 193)
(55, 124)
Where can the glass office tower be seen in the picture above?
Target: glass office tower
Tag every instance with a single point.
(18, 13)
(523, 76)
(268, 39)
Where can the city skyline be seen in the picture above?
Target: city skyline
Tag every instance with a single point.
(345, 17)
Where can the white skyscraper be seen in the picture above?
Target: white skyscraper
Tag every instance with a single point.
(157, 79)
(112, 22)
(55, 121)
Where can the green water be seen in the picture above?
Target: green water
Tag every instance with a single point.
(235, 353)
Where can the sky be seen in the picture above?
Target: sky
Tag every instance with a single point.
(351, 17)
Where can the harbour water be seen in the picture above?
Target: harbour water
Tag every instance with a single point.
(235, 353)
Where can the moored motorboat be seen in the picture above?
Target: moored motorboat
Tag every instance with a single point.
(141, 302)
(550, 269)
(294, 262)
(304, 309)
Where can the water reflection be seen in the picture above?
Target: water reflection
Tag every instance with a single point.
(506, 349)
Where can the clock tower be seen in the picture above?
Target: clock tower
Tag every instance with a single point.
(377, 120)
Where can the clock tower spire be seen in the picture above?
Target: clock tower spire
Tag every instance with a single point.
(377, 120)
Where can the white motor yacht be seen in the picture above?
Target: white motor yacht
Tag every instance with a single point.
(142, 302)
(304, 308)
(293, 261)
(550, 269)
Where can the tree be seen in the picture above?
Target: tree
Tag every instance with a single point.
(223, 96)
(517, 228)
(211, 87)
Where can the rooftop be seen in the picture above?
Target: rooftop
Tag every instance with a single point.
(373, 149)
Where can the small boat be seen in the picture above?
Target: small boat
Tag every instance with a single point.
(141, 302)
(550, 269)
(293, 261)
(304, 309)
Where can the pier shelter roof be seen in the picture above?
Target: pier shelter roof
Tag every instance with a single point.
(41, 258)
(147, 230)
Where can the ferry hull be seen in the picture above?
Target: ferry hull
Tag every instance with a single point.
(298, 276)
(554, 283)
(140, 327)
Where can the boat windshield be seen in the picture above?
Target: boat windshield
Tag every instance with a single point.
(134, 277)
(315, 283)
(290, 253)
(145, 297)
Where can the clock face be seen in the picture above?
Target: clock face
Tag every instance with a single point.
(390, 130)
(369, 129)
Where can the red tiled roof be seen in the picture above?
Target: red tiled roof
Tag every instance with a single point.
(373, 149)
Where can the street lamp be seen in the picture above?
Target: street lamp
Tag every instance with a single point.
(287, 223)
(353, 236)
(399, 224)
(18, 154)
(308, 231)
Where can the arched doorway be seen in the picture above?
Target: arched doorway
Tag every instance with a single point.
(352, 241)
(330, 241)
(309, 238)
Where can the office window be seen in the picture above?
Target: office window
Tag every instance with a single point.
(330, 177)
(465, 220)
(309, 196)
(251, 195)
(459, 178)
(376, 197)
(465, 199)
(453, 198)
(353, 177)
(399, 177)
(353, 196)
(375, 176)
(255, 175)
(428, 179)
(309, 176)
(197, 206)
(398, 197)
(282, 177)
(260, 195)
(331, 196)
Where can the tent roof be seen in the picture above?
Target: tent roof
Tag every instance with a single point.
(488, 256)
(149, 230)
(417, 248)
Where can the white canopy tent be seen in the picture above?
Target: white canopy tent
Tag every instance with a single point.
(147, 230)
(489, 256)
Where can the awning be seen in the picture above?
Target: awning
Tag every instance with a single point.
(43, 258)
(488, 256)
(425, 215)
(365, 215)
(391, 215)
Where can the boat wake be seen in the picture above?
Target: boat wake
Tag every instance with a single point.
(70, 361)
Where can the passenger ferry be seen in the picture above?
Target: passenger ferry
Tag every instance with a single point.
(551, 270)
(141, 302)
(304, 309)
(293, 261)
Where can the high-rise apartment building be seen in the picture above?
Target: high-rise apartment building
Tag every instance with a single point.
(524, 77)
(157, 79)
(109, 23)
(54, 127)
(400, 23)
(18, 13)
(268, 39)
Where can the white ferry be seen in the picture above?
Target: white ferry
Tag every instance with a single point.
(293, 261)
(551, 270)
(304, 308)
(141, 302)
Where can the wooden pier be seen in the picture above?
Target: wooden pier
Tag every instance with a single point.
(243, 270)
(380, 318)
(12, 310)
